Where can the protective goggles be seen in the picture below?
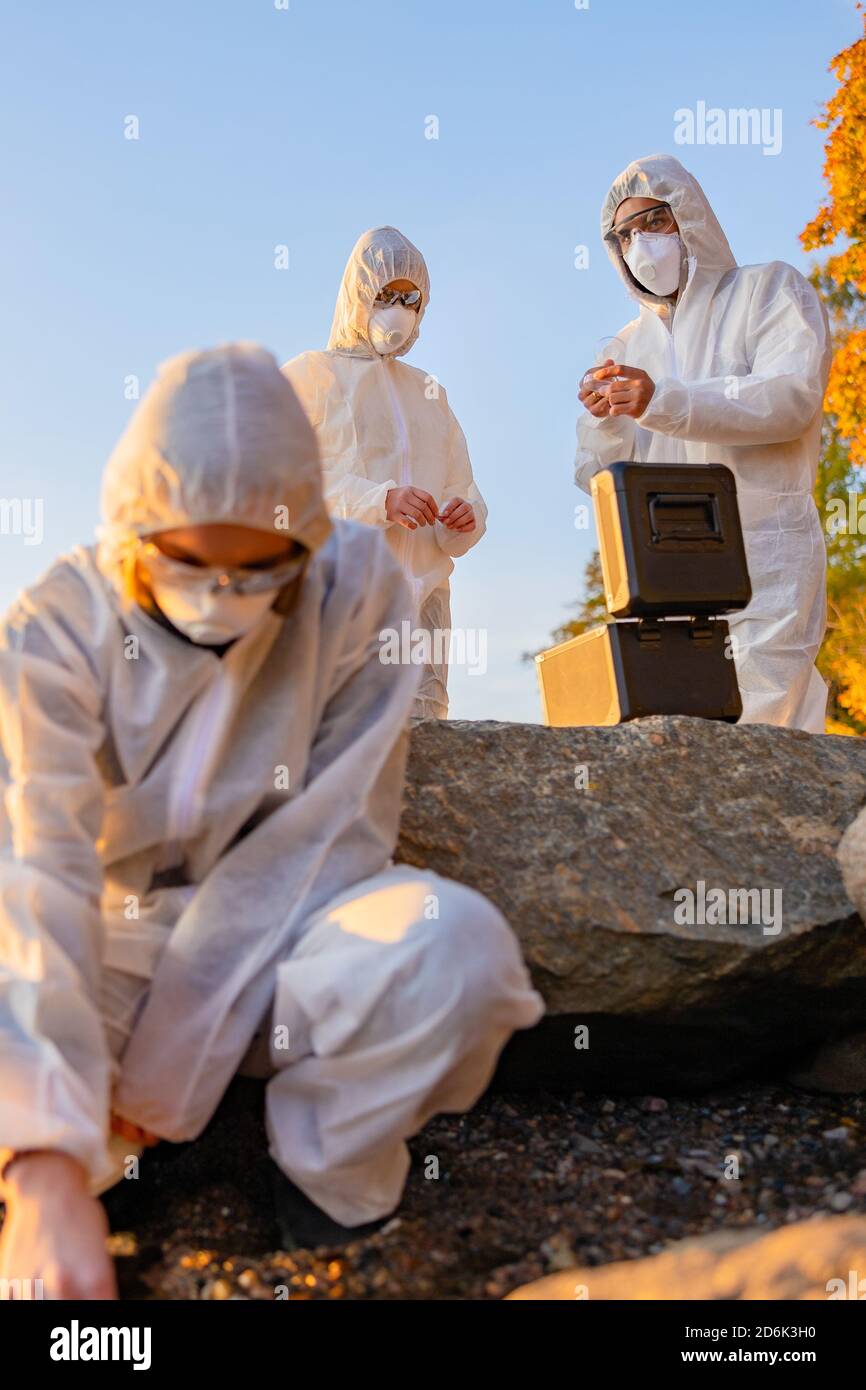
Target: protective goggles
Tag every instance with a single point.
(270, 575)
(410, 298)
(657, 219)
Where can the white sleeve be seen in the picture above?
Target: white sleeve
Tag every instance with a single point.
(55, 1069)
(460, 483)
(601, 442)
(787, 344)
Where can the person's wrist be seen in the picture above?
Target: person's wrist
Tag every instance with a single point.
(33, 1170)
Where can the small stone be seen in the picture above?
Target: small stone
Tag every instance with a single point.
(558, 1252)
(250, 1281)
(122, 1243)
(836, 1136)
(217, 1289)
(841, 1201)
(653, 1105)
(587, 1146)
(608, 1107)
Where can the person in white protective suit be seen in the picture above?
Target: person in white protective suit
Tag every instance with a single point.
(724, 364)
(393, 454)
(202, 761)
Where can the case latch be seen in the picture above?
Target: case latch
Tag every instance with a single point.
(701, 630)
(649, 632)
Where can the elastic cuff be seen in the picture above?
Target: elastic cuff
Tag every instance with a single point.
(386, 488)
(668, 410)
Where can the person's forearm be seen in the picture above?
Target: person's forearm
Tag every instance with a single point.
(733, 410)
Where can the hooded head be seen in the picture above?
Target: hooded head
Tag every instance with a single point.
(663, 178)
(220, 436)
(378, 257)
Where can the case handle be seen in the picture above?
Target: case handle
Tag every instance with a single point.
(670, 521)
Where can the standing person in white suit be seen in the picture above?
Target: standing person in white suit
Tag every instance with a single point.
(201, 763)
(393, 454)
(724, 364)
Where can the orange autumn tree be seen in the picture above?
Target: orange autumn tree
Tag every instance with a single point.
(841, 486)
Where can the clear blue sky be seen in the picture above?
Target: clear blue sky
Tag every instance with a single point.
(261, 127)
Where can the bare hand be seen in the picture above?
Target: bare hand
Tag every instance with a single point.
(589, 395)
(410, 507)
(633, 395)
(458, 515)
(54, 1231)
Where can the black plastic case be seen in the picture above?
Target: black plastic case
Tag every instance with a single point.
(670, 540)
(627, 670)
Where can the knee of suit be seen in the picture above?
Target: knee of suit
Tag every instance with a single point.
(470, 943)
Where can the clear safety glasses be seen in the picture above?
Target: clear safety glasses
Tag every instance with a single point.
(657, 219)
(270, 575)
(410, 298)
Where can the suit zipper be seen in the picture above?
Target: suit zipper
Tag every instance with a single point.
(403, 436)
(198, 758)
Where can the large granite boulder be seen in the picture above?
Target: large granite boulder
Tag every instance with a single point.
(823, 1259)
(603, 848)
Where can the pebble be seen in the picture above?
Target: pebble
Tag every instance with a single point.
(217, 1289)
(558, 1252)
(841, 1201)
(838, 1135)
(122, 1243)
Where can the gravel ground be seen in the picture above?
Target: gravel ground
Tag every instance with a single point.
(527, 1185)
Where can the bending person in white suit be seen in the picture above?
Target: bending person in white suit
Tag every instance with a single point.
(201, 767)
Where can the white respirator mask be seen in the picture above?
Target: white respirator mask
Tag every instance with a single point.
(390, 326)
(210, 619)
(654, 259)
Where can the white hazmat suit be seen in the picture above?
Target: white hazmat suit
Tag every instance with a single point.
(188, 840)
(740, 366)
(382, 424)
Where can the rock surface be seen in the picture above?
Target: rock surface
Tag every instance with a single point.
(809, 1260)
(583, 837)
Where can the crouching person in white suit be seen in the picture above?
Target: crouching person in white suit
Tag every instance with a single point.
(201, 765)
